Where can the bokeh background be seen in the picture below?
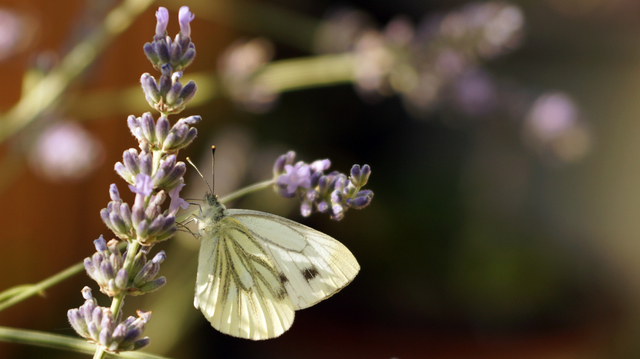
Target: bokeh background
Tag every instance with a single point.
(503, 142)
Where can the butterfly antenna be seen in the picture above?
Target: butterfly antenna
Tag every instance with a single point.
(213, 167)
(200, 173)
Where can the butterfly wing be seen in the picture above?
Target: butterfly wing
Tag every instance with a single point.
(312, 265)
(238, 287)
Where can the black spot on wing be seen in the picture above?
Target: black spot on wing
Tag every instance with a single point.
(310, 273)
(283, 278)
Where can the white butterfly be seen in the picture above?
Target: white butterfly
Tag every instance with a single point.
(255, 269)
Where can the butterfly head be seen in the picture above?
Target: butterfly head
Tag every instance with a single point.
(213, 208)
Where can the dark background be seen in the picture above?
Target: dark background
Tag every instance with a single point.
(476, 244)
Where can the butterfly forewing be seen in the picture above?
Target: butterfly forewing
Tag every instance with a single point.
(239, 288)
(312, 265)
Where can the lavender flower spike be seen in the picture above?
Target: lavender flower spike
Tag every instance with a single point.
(185, 17)
(333, 193)
(97, 325)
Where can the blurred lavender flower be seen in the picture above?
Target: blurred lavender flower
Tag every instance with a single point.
(476, 93)
(16, 32)
(554, 126)
(97, 325)
(340, 30)
(65, 151)
(333, 193)
(237, 67)
(420, 62)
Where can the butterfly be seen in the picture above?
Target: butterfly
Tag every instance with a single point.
(255, 269)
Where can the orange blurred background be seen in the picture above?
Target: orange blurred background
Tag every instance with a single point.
(478, 243)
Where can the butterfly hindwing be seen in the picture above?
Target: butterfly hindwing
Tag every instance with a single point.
(238, 288)
(312, 265)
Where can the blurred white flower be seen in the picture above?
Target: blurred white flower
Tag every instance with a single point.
(65, 151)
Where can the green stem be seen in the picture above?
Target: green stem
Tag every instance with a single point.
(279, 76)
(49, 89)
(244, 191)
(19, 293)
(55, 341)
(307, 72)
(40, 287)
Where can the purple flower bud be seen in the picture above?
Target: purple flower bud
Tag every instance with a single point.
(339, 182)
(187, 92)
(146, 163)
(131, 160)
(173, 94)
(123, 172)
(137, 214)
(150, 89)
(122, 277)
(88, 265)
(94, 332)
(185, 17)
(152, 285)
(188, 56)
(159, 257)
(164, 86)
(162, 15)
(337, 212)
(191, 120)
(360, 176)
(191, 135)
(141, 343)
(148, 127)
(324, 184)
(106, 269)
(306, 208)
(361, 200)
(100, 244)
(336, 196)
(151, 53)
(86, 293)
(315, 178)
(125, 213)
(134, 126)
(142, 230)
(174, 176)
(320, 165)
(161, 48)
(323, 207)
(162, 129)
(312, 195)
(286, 159)
(120, 331)
(113, 193)
(117, 223)
(156, 225)
(166, 70)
